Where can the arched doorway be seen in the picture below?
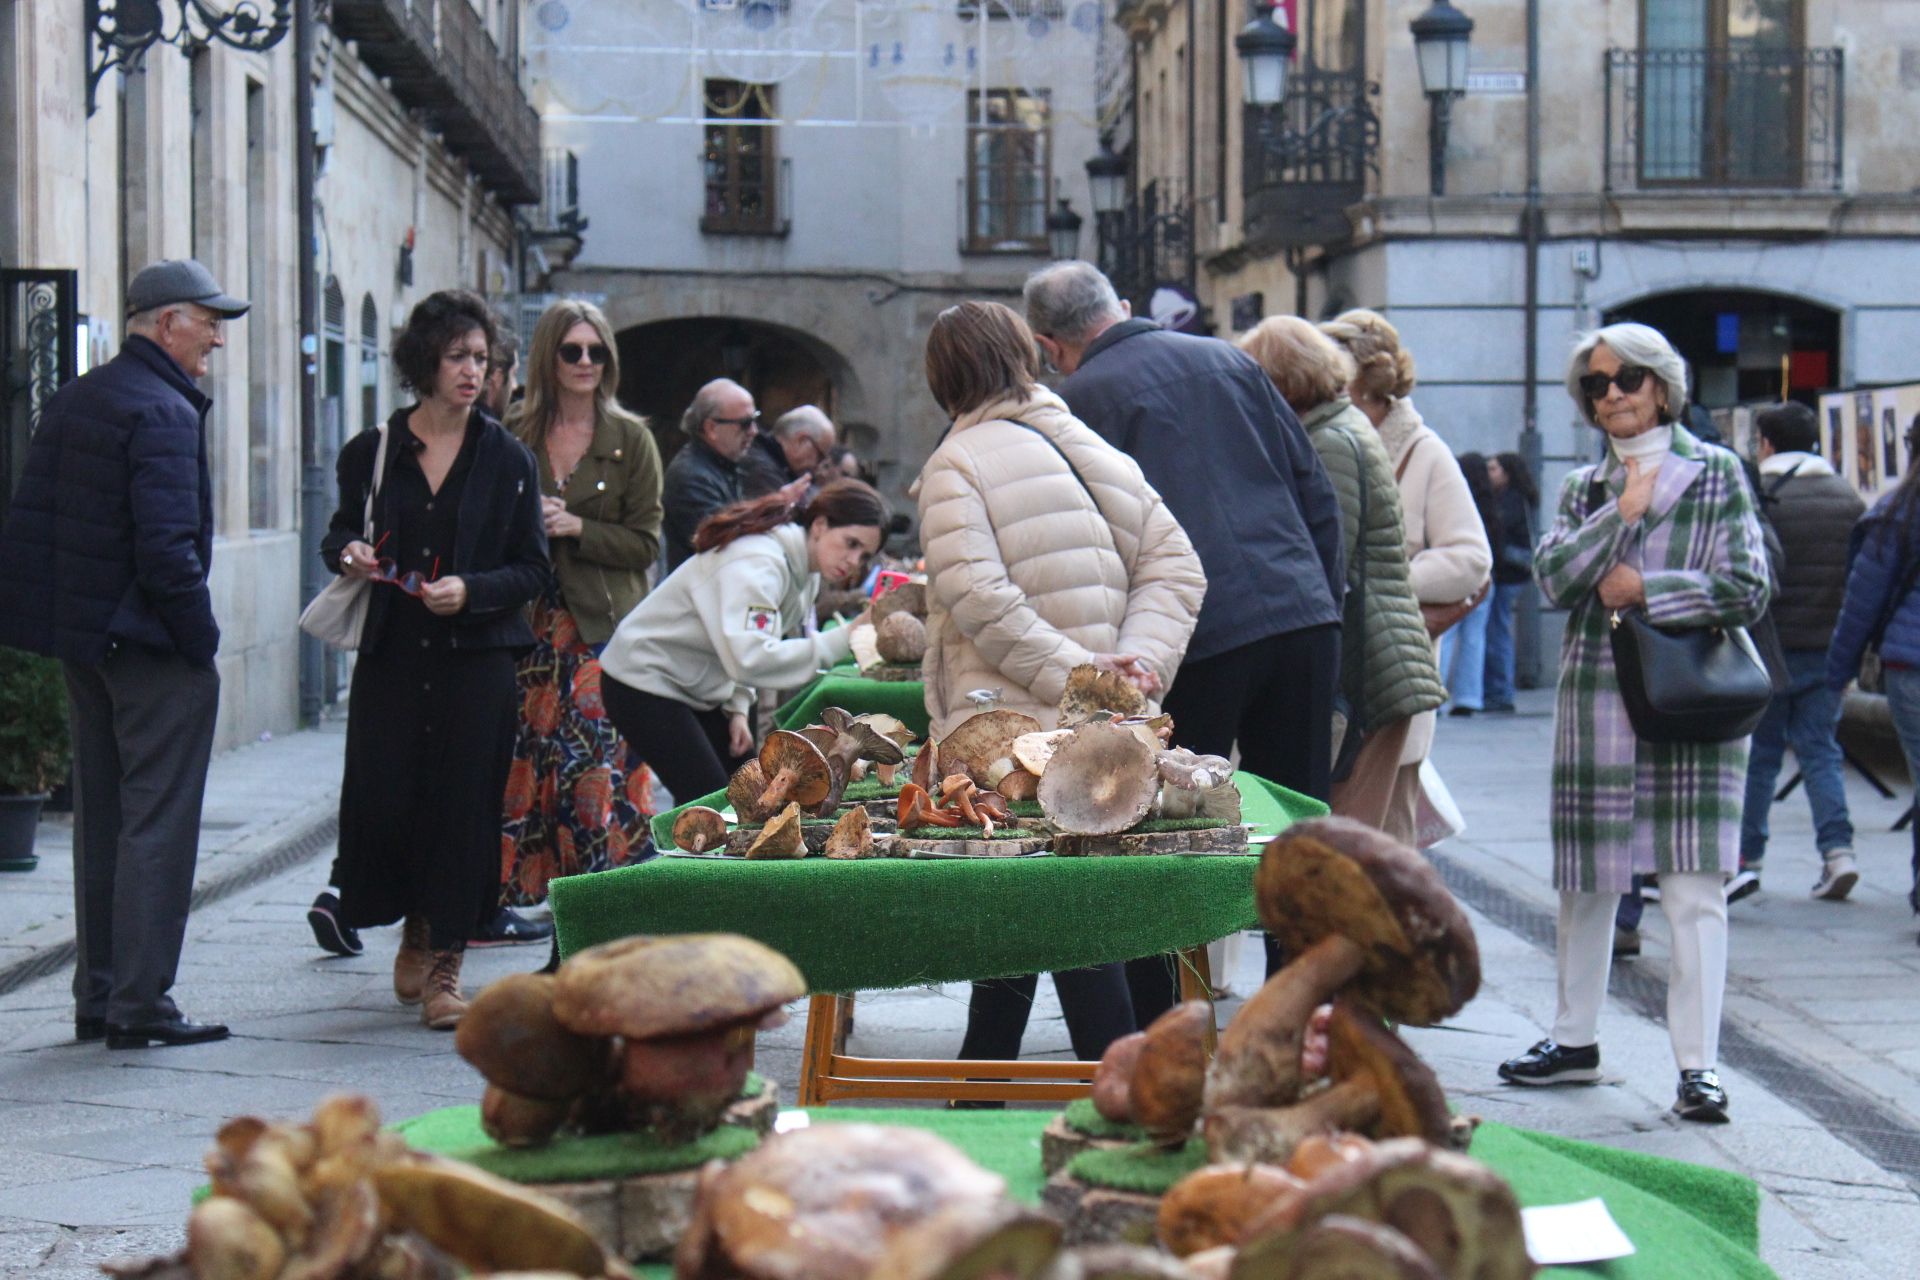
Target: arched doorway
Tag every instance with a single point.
(1746, 346)
(663, 364)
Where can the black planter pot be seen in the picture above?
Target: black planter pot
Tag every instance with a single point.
(19, 819)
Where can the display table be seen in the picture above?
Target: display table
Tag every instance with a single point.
(843, 687)
(1685, 1220)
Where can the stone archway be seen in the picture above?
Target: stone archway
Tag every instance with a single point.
(1736, 340)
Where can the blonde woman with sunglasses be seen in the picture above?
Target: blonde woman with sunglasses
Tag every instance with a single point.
(573, 804)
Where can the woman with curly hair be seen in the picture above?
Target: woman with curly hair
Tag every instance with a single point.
(457, 551)
(573, 804)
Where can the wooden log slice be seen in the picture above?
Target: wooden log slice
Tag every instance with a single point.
(813, 833)
(1060, 1142)
(1099, 1215)
(906, 846)
(892, 672)
(1216, 840)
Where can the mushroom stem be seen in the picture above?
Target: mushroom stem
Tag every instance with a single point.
(1270, 1134)
(777, 788)
(1258, 1061)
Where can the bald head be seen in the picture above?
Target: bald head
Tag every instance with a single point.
(722, 414)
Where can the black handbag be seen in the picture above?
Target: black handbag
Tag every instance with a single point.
(1688, 684)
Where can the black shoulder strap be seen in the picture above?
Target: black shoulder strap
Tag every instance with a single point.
(1596, 492)
(1055, 446)
(1781, 479)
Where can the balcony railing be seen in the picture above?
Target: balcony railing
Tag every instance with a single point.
(1715, 118)
(1307, 159)
(439, 59)
(1149, 242)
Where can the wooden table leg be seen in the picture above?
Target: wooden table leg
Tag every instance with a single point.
(816, 1062)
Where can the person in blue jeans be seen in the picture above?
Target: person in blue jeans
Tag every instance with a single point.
(1516, 499)
(1881, 611)
(1813, 511)
(1463, 648)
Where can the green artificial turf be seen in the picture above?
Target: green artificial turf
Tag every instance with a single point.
(871, 788)
(1083, 1117)
(1154, 826)
(1145, 1167)
(974, 833)
(905, 700)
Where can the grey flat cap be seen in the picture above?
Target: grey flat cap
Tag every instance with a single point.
(173, 280)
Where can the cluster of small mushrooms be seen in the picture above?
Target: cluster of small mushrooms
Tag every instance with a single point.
(637, 1033)
(339, 1199)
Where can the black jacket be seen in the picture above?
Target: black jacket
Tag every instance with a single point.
(698, 483)
(110, 535)
(499, 549)
(1231, 461)
(765, 468)
(1512, 538)
(1814, 516)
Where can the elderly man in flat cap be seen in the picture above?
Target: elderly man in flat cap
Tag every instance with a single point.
(103, 565)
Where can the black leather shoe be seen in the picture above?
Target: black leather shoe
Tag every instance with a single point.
(509, 928)
(1550, 1063)
(1701, 1098)
(89, 1029)
(323, 917)
(179, 1029)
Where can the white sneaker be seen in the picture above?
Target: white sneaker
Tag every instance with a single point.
(1838, 875)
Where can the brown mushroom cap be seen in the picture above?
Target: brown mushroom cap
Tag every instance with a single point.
(1033, 751)
(1090, 690)
(512, 1036)
(820, 735)
(795, 770)
(672, 986)
(487, 1223)
(1100, 780)
(908, 597)
(825, 1201)
(516, 1120)
(891, 727)
(698, 829)
(1333, 875)
(1169, 1077)
(980, 740)
(1113, 1079)
(744, 790)
(901, 639)
(781, 837)
(1338, 1245)
(1214, 1204)
(972, 1240)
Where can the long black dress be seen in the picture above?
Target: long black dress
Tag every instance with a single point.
(433, 710)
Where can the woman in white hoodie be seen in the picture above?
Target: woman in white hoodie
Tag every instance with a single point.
(684, 666)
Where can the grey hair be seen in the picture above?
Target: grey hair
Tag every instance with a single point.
(809, 421)
(705, 400)
(1634, 344)
(145, 322)
(1066, 299)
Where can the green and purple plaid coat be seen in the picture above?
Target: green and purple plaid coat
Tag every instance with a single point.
(1621, 805)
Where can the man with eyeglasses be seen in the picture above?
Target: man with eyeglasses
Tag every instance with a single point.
(706, 474)
(799, 442)
(103, 565)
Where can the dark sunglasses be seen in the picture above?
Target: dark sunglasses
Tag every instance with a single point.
(751, 420)
(1629, 378)
(570, 352)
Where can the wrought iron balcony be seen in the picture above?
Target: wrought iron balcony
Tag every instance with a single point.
(1307, 159)
(1715, 118)
(440, 60)
(1149, 243)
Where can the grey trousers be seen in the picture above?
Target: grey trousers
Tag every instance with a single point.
(142, 736)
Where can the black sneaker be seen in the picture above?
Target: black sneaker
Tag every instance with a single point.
(509, 928)
(324, 917)
(1550, 1063)
(1626, 943)
(1743, 885)
(1701, 1098)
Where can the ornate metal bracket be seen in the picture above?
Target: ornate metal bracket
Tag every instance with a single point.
(1331, 131)
(125, 29)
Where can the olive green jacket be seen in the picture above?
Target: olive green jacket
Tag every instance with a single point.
(616, 493)
(1387, 667)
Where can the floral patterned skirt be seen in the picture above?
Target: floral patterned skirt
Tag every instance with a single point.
(572, 803)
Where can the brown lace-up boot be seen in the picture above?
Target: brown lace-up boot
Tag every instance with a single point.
(411, 963)
(444, 1004)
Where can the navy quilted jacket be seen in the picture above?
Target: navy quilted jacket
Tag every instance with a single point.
(110, 534)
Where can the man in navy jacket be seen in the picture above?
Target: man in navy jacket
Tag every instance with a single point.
(103, 565)
(1230, 459)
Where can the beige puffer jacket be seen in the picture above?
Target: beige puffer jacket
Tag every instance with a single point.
(1027, 577)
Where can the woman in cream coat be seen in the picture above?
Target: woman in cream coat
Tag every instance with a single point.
(1045, 549)
(1447, 549)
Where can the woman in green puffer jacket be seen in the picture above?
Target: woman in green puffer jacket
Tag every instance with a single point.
(1387, 669)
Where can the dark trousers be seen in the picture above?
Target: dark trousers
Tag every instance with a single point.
(1093, 999)
(685, 748)
(142, 736)
(1273, 698)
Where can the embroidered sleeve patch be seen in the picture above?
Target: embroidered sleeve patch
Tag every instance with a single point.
(763, 618)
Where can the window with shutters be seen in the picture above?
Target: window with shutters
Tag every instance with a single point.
(743, 172)
(1008, 167)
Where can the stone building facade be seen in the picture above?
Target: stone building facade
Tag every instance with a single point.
(196, 153)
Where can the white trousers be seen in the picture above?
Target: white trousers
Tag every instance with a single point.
(1696, 907)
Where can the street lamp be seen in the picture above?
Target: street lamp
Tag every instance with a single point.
(1107, 176)
(123, 30)
(1063, 232)
(1265, 49)
(1440, 38)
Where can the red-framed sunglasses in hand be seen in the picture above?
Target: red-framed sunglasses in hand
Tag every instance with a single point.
(389, 571)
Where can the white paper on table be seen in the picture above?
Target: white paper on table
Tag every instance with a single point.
(788, 1121)
(1570, 1234)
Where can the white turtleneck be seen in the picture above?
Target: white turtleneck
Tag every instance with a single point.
(1650, 447)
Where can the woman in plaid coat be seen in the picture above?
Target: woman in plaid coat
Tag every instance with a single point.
(1672, 529)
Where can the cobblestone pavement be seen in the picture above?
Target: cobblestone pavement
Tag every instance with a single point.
(99, 1151)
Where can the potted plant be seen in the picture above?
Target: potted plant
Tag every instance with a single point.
(34, 750)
